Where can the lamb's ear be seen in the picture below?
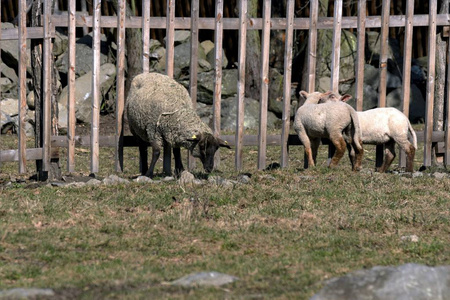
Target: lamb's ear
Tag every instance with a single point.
(346, 97)
(223, 143)
(304, 94)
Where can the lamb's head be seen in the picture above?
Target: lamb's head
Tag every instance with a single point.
(333, 97)
(204, 146)
(312, 98)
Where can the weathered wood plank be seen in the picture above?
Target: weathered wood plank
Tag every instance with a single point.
(407, 56)
(47, 59)
(312, 44)
(32, 154)
(286, 114)
(254, 24)
(95, 124)
(430, 84)
(241, 84)
(193, 67)
(71, 119)
(145, 36)
(384, 53)
(265, 48)
(360, 61)
(22, 43)
(336, 51)
(120, 84)
(218, 42)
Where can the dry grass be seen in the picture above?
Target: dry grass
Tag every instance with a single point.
(282, 234)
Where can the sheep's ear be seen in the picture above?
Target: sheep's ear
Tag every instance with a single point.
(223, 143)
(304, 94)
(346, 97)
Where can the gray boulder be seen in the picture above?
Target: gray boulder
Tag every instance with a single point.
(83, 96)
(416, 104)
(405, 282)
(84, 56)
(9, 113)
(251, 114)
(205, 85)
(204, 279)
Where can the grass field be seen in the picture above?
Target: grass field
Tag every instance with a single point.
(283, 234)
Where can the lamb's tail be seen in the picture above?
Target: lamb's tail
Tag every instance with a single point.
(412, 134)
(357, 130)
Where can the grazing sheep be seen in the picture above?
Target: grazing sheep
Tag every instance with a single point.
(336, 121)
(384, 125)
(160, 113)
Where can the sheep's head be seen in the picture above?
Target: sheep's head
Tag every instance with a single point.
(205, 146)
(312, 98)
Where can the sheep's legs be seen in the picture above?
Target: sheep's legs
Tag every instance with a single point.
(178, 163)
(143, 156)
(357, 153)
(410, 153)
(155, 156)
(340, 145)
(314, 148)
(389, 155)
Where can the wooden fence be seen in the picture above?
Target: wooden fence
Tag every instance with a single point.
(73, 19)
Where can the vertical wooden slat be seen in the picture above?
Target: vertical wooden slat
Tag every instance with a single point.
(95, 88)
(336, 51)
(22, 84)
(407, 55)
(430, 83)
(194, 64)
(1, 61)
(170, 27)
(262, 138)
(447, 116)
(360, 62)
(218, 41)
(120, 84)
(241, 83)
(286, 115)
(312, 44)
(84, 12)
(47, 81)
(146, 36)
(384, 52)
(71, 119)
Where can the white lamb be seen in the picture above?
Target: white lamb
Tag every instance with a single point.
(336, 121)
(384, 125)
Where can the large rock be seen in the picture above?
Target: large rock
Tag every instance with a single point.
(182, 58)
(83, 95)
(416, 102)
(9, 117)
(205, 85)
(84, 56)
(251, 114)
(409, 281)
(10, 51)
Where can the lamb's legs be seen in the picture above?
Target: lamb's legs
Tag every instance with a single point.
(389, 155)
(178, 163)
(155, 156)
(314, 148)
(357, 153)
(410, 153)
(339, 143)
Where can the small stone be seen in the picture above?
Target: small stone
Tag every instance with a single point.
(143, 179)
(439, 175)
(186, 178)
(25, 293)
(244, 179)
(93, 181)
(417, 174)
(410, 238)
(114, 179)
(205, 279)
(168, 178)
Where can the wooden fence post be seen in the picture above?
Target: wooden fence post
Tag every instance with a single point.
(240, 105)
(430, 84)
(312, 44)
(336, 51)
(95, 88)
(218, 42)
(120, 84)
(360, 62)
(22, 85)
(265, 48)
(286, 114)
(71, 119)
